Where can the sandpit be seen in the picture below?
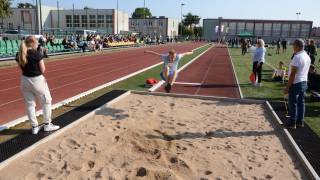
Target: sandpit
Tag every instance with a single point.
(152, 137)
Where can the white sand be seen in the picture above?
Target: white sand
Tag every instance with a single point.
(172, 138)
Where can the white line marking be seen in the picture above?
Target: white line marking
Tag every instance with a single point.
(160, 83)
(188, 83)
(235, 75)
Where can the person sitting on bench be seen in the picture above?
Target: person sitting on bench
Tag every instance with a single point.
(280, 73)
(313, 79)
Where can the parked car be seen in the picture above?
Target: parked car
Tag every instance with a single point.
(14, 34)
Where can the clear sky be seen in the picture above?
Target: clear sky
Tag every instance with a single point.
(251, 9)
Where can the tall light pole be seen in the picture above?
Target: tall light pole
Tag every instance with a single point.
(38, 17)
(182, 4)
(298, 14)
(58, 7)
(117, 16)
(144, 9)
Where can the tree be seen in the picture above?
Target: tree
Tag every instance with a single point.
(5, 9)
(140, 13)
(25, 5)
(191, 20)
(86, 8)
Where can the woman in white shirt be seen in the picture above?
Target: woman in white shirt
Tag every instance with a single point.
(258, 60)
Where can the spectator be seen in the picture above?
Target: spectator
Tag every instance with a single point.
(42, 47)
(284, 45)
(278, 46)
(312, 51)
(313, 79)
(258, 61)
(297, 84)
(66, 44)
(244, 45)
(33, 84)
(280, 73)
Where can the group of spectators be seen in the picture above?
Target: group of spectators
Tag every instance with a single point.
(92, 42)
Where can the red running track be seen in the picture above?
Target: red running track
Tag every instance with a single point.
(73, 76)
(210, 75)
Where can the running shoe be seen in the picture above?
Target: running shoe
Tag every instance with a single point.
(50, 127)
(35, 130)
(168, 88)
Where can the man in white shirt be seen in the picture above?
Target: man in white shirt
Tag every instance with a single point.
(297, 84)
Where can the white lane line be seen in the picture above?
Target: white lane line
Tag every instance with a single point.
(206, 74)
(160, 83)
(188, 83)
(235, 75)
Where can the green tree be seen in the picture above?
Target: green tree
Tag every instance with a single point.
(197, 31)
(140, 13)
(86, 8)
(5, 9)
(25, 5)
(191, 20)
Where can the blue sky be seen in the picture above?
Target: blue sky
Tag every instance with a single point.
(251, 9)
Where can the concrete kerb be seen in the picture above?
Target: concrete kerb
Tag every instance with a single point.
(61, 131)
(74, 98)
(235, 75)
(160, 83)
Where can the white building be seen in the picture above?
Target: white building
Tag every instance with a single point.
(162, 26)
(101, 20)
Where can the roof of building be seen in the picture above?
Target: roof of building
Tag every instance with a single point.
(259, 20)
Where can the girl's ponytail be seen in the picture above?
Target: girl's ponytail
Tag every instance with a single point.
(22, 57)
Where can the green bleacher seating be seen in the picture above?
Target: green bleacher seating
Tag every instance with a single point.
(15, 47)
(9, 48)
(3, 48)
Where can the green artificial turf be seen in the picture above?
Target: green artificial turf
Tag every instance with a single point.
(271, 91)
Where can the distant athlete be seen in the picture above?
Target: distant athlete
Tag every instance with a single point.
(170, 66)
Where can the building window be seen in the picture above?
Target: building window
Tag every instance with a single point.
(161, 23)
(258, 29)
(295, 30)
(76, 20)
(109, 21)
(92, 19)
(69, 20)
(285, 30)
(84, 21)
(267, 29)
(305, 29)
(100, 21)
(276, 30)
(150, 23)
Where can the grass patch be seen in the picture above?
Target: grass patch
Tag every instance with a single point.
(136, 82)
(271, 91)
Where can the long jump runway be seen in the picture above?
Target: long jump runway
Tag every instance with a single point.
(76, 75)
(210, 75)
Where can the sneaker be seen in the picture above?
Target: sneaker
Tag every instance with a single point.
(168, 87)
(290, 126)
(35, 130)
(300, 125)
(259, 85)
(50, 127)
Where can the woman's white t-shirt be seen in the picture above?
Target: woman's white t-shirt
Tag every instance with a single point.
(302, 62)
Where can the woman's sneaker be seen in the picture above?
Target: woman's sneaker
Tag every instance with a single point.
(50, 127)
(35, 130)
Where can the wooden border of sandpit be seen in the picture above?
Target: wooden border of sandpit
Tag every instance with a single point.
(276, 121)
